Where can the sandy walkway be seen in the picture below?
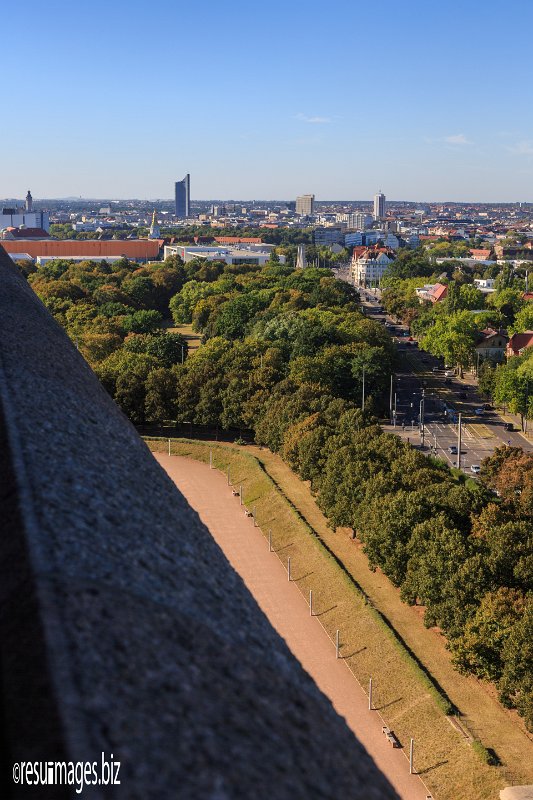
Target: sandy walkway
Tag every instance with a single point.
(246, 549)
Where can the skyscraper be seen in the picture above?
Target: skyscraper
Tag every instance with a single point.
(183, 197)
(379, 206)
(305, 205)
(29, 201)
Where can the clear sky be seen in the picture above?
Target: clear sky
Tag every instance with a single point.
(422, 100)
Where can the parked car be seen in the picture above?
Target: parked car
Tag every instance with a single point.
(435, 369)
(479, 412)
(508, 426)
(453, 449)
(475, 468)
(449, 373)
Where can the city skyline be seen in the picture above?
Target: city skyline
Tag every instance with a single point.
(416, 124)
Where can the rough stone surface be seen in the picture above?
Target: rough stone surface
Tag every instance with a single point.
(123, 628)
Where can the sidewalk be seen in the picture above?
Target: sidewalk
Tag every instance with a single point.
(288, 611)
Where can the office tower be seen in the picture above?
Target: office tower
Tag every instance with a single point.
(379, 205)
(29, 201)
(305, 205)
(183, 197)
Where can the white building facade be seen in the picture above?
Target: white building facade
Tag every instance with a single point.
(369, 267)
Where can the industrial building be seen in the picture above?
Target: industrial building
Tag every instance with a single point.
(243, 254)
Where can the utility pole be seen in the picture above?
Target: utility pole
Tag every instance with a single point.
(459, 437)
(422, 433)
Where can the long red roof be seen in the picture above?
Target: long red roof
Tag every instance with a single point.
(90, 248)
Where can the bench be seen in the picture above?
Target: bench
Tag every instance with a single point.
(235, 492)
(391, 736)
(248, 513)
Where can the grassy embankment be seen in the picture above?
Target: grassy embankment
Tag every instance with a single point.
(408, 698)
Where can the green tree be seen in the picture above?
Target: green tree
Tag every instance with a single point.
(453, 338)
(161, 388)
(141, 322)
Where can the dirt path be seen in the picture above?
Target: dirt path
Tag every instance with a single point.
(266, 578)
(497, 728)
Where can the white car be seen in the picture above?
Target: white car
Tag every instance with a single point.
(449, 373)
(475, 468)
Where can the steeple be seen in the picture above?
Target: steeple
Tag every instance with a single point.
(29, 201)
(154, 227)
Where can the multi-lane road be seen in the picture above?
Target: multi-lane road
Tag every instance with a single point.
(421, 385)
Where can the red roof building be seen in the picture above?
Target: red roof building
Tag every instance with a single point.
(134, 249)
(480, 254)
(238, 240)
(518, 343)
(25, 233)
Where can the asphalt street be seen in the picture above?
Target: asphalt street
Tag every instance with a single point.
(421, 377)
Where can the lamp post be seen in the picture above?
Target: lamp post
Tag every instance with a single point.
(422, 419)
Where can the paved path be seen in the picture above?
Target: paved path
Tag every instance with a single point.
(246, 549)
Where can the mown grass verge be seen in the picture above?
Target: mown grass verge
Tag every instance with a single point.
(404, 693)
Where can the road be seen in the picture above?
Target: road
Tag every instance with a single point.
(421, 375)
(246, 548)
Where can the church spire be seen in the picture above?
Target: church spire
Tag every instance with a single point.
(154, 227)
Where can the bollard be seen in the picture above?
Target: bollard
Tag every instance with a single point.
(289, 568)
(310, 602)
(169, 446)
(240, 494)
(270, 540)
(337, 644)
(411, 753)
(210, 459)
(370, 694)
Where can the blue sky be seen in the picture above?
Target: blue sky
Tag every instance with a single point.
(269, 100)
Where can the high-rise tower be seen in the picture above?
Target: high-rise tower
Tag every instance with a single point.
(29, 201)
(379, 206)
(305, 205)
(183, 197)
